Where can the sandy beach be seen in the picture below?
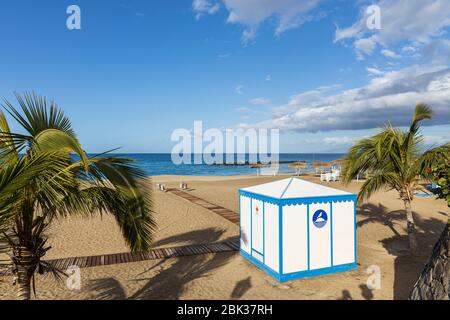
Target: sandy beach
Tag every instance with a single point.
(381, 241)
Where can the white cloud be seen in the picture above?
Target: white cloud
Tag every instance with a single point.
(390, 54)
(260, 101)
(313, 98)
(250, 14)
(413, 21)
(390, 96)
(268, 77)
(331, 140)
(374, 71)
(409, 49)
(437, 51)
(433, 140)
(364, 46)
(338, 140)
(202, 7)
(239, 90)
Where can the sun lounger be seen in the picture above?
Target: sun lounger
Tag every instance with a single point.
(183, 186)
(330, 176)
(161, 187)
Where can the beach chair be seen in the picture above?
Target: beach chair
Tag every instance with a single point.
(183, 186)
(336, 175)
(162, 188)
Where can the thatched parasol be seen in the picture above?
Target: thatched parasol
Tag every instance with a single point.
(321, 165)
(338, 162)
(298, 165)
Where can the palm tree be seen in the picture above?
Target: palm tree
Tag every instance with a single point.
(45, 174)
(395, 159)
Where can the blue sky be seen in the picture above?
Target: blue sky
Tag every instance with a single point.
(139, 69)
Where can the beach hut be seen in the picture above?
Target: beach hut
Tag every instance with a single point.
(294, 228)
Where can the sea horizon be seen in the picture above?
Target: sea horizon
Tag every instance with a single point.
(159, 164)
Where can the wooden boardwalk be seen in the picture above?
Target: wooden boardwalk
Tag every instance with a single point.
(221, 211)
(163, 253)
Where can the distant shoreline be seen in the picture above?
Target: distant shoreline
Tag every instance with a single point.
(156, 164)
(247, 163)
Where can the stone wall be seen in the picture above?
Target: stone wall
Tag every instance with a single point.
(434, 280)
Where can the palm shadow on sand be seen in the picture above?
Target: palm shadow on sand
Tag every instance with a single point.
(106, 289)
(208, 235)
(406, 267)
(172, 281)
(241, 288)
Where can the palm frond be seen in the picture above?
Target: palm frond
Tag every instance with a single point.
(56, 140)
(16, 176)
(45, 182)
(431, 158)
(132, 213)
(38, 115)
(375, 183)
(8, 151)
(368, 154)
(117, 186)
(421, 112)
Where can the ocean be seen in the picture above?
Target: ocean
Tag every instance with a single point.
(157, 164)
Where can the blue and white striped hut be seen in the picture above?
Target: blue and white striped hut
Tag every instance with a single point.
(294, 228)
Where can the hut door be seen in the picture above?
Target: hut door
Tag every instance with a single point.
(257, 230)
(320, 217)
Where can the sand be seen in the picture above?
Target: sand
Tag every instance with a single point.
(381, 241)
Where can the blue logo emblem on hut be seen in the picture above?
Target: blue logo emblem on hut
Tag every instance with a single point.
(320, 218)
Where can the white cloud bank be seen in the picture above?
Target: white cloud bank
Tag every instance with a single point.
(287, 14)
(338, 140)
(202, 7)
(390, 96)
(418, 22)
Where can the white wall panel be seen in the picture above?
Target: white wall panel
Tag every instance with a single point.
(245, 223)
(257, 226)
(271, 231)
(320, 238)
(295, 238)
(343, 232)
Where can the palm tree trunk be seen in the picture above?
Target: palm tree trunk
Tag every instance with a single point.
(411, 228)
(24, 268)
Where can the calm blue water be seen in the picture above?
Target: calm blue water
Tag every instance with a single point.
(156, 164)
